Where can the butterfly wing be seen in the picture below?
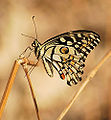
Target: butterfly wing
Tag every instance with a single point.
(67, 53)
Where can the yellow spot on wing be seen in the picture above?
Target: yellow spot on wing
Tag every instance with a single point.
(79, 35)
(73, 39)
(84, 45)
(71, 57)
(84, 41)
(64, 60)
(89, 42)
(76, 45)
(72, 62)
(69, 43)
(70, 70)
(56, 57)
(92, 36)
(62, 39)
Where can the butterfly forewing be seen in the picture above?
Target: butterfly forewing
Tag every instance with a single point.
(67, 53)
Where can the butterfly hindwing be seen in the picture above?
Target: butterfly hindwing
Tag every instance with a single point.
(67, 53)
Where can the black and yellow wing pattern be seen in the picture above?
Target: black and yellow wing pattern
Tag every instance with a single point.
(67, 53)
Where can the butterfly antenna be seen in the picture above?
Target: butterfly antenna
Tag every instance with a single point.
(27, 36)
(35, 28)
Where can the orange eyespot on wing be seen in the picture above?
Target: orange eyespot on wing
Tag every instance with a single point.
(64, 50)
(62, 76)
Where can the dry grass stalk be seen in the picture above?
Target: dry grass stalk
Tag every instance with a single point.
(8, 87)
(32, 91)
(23, 62)
(91, 75)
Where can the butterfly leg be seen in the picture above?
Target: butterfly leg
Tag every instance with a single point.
(23, 53)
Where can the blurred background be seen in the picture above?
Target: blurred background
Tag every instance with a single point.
(52, 18)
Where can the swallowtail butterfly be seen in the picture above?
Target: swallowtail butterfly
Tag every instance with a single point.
(66, 53)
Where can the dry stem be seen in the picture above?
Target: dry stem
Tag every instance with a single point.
(32, 92)
(91, 75)
(9, 86)
(16, 65)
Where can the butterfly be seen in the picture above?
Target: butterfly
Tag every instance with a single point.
(66, 53)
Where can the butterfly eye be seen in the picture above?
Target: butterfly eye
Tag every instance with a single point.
(33, 44)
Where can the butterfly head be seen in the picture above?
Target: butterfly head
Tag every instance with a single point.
(36, 45)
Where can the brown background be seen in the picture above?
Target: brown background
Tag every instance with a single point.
(53, 94)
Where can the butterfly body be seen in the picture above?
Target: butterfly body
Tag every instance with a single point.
(67, 53)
